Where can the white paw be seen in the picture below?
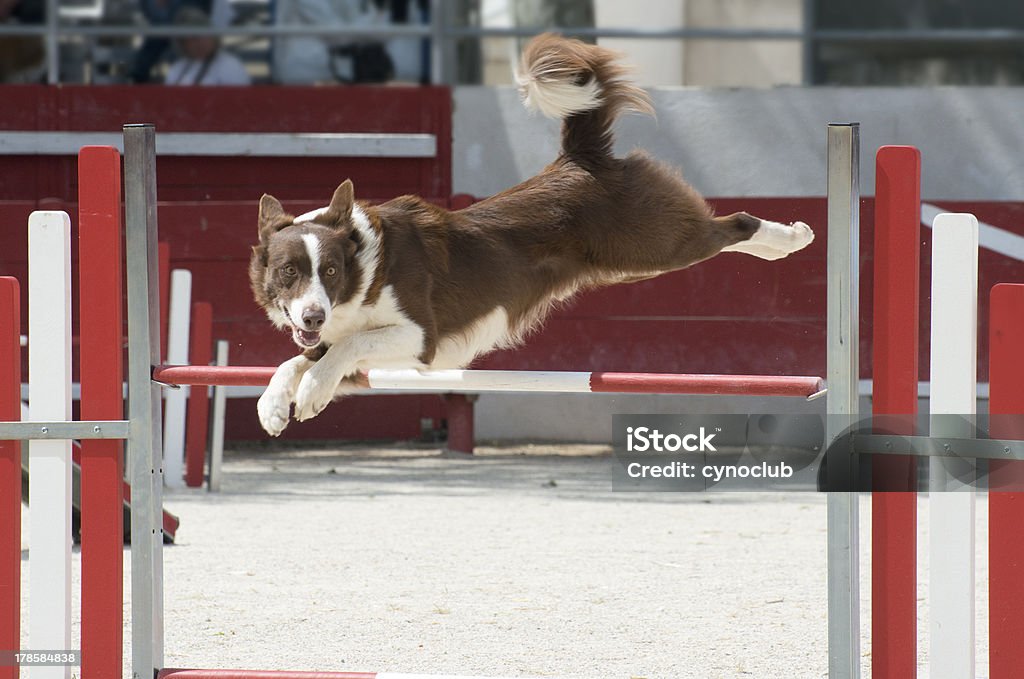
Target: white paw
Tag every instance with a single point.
(778, 240)
(272, 409)
(802, 236)
(314, 393)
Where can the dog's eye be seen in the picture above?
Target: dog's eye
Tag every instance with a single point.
(289, 270)
(331, 271)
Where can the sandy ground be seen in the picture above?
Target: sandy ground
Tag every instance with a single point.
(519, 562)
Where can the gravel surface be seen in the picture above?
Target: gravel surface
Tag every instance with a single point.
(517, 562)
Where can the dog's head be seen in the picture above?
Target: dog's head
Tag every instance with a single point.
(304, 267)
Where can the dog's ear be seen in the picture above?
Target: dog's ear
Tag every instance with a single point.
(273, 218)
(340, 210)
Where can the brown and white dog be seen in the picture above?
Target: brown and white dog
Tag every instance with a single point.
(406, 284)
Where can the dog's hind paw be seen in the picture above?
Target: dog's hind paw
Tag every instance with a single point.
(802, 236)
(272, 409)
(773, 240)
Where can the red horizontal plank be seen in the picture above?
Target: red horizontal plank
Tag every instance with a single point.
(721, 385)
(254, 109)
(237, 110)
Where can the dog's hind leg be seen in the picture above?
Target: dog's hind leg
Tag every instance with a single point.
(766, 239)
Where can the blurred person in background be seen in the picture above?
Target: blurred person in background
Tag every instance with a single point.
(411, 56)
(545, 14)
(22, 57)
(312, 59)
(202, 60)
(162, 13)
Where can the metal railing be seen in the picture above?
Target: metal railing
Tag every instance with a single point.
(444, 34)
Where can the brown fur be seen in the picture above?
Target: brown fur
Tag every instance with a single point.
(587, 220)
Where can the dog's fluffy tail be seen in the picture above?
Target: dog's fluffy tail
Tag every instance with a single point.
(583, 85)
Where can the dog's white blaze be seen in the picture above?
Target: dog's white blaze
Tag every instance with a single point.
(349, 316)
(344, 319)
(315, 295)
(486, 333)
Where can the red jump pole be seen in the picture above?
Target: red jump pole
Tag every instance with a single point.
(895, 351)
(210, 376)
(639, 383)
(200, 352)
(715, 385)
(10, 473)
(102, 375)
(1006, 484)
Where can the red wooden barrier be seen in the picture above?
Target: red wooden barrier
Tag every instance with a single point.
(1006, 484)
(10, 472)
(102, 375)
(895, 348)
(200, 352)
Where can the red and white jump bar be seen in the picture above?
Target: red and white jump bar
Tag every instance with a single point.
(478, 381)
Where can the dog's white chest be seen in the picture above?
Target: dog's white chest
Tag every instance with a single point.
(486, 333)
(347, 320)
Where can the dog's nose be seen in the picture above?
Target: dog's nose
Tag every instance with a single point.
(313, 318)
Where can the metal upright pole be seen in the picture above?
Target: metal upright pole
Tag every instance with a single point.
(144, 442)
(52, 42)
(439, 73)
(843, 375)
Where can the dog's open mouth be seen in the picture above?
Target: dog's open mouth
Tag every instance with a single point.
(307, 339)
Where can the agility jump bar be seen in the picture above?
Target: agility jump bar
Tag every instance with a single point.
(477, 381)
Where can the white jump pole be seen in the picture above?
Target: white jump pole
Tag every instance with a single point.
(954, 360)
(175, 400)
(49, 370)
(220, 394)
(478, 380)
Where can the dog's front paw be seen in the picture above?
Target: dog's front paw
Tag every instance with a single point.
(314, 393)
(272, 409)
